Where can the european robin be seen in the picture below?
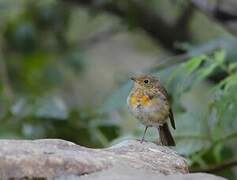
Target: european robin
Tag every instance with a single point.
(148, 102)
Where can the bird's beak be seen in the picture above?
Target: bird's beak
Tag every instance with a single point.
(133, 78)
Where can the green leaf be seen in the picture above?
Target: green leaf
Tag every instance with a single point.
(188, 74)
(223, 108)
(182, 77)
(229, 44)
(219, 56)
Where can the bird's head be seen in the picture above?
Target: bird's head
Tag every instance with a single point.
(146, 82)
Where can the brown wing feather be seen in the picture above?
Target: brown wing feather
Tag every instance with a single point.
(171, 116)
(163, 90)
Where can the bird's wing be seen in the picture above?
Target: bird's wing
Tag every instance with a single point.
(171, 116)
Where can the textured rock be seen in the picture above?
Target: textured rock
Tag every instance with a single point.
(53, 158)
(126, 173)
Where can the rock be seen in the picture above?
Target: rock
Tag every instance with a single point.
(126, 173)
(54, 158)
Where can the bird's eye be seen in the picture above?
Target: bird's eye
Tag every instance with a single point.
(146, 81)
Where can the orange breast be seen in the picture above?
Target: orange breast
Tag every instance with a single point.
(143, 100)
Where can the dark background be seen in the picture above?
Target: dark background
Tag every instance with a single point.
(65, 68)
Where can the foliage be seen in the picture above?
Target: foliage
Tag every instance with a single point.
(207, 125)
(39, 61)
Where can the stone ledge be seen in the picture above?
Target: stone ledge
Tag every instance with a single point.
(55, 158)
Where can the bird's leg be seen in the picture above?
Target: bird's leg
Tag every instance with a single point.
(159, 141)
(143, 137)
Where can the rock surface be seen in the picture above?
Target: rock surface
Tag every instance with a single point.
(54, 158)
(126, 173)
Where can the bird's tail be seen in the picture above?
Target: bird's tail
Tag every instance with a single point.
(166, 136)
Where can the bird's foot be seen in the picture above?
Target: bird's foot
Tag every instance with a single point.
(142, 140)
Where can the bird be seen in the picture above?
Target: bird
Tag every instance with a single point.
(148, 102)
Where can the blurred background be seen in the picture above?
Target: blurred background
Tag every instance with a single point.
(65, 68)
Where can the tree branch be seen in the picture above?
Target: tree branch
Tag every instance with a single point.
(225, 13)
(99, 36)
(146, 18)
